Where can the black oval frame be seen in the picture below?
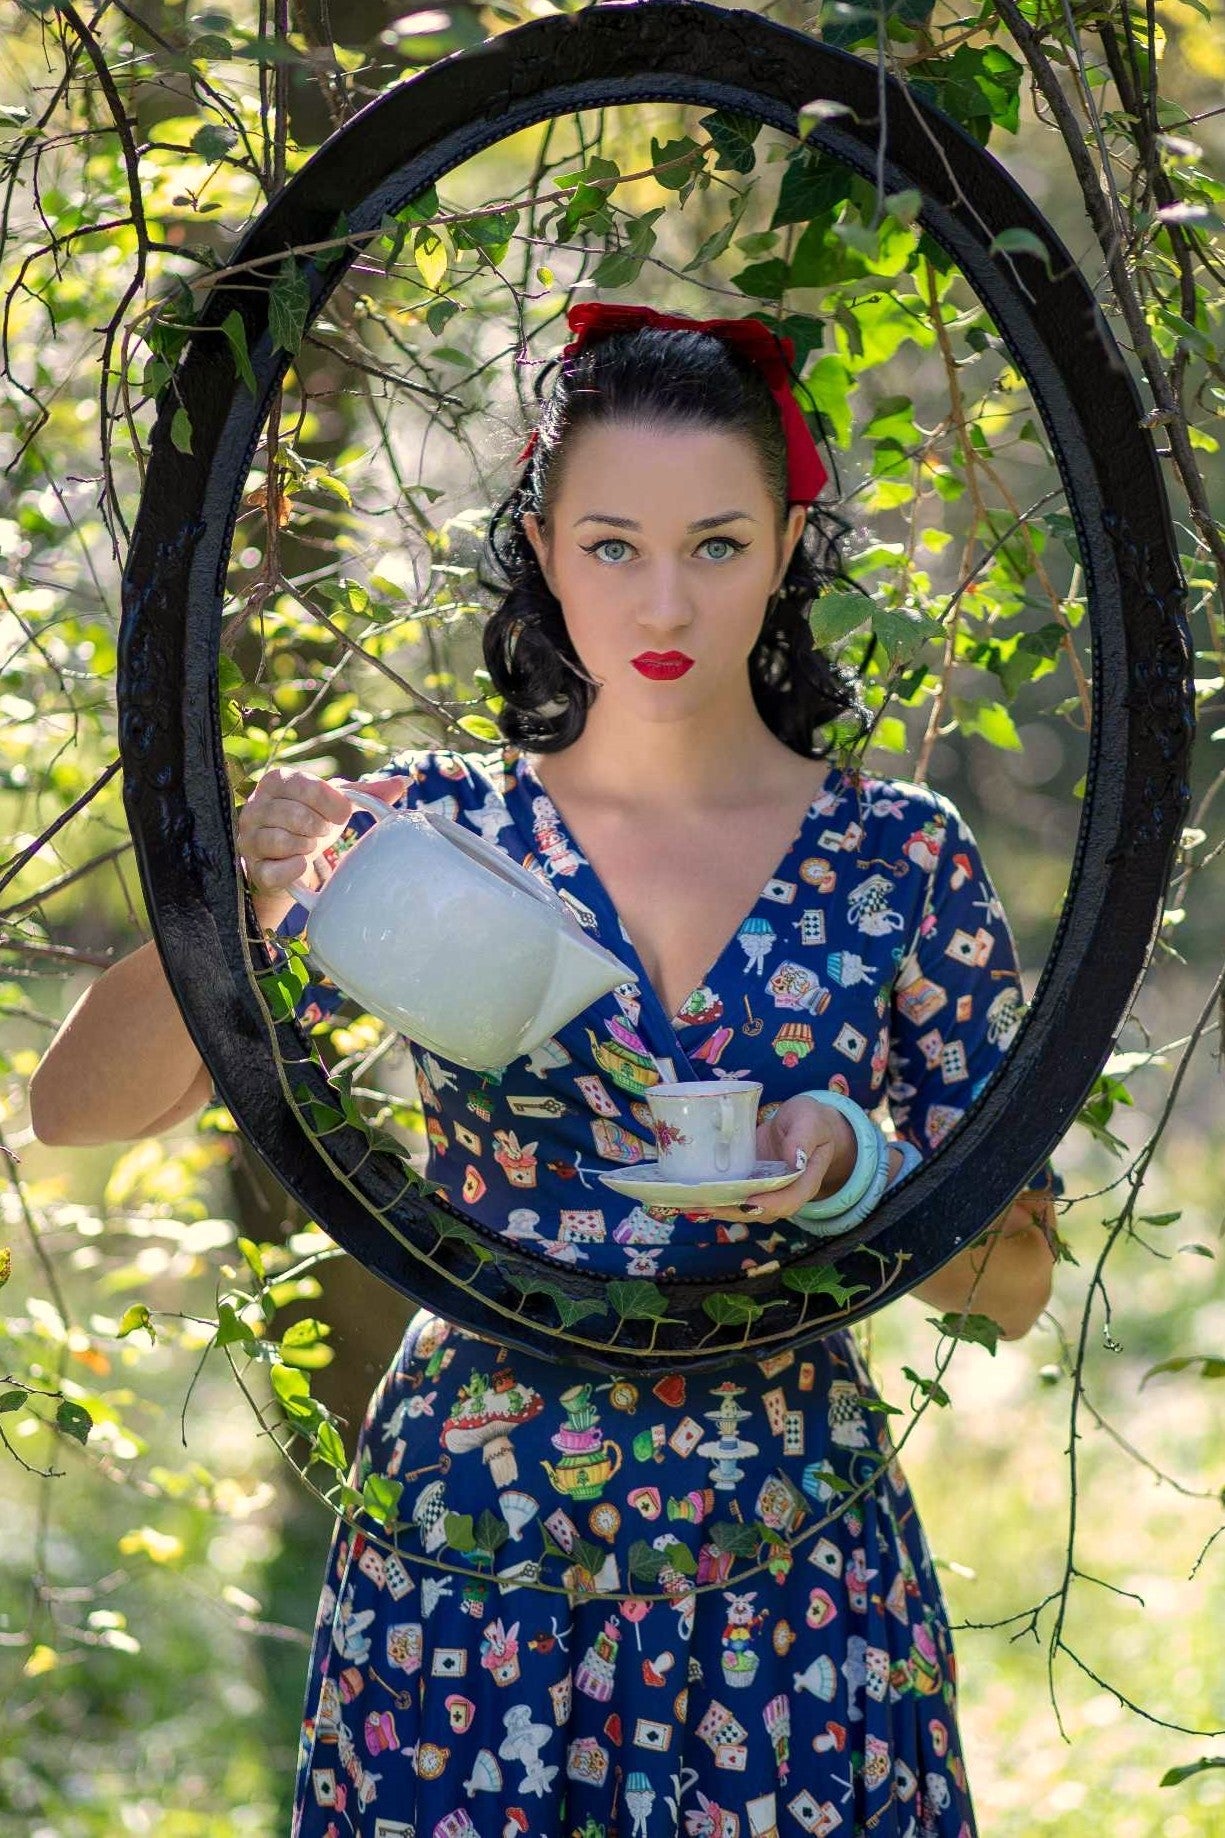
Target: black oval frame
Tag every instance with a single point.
(176, 790)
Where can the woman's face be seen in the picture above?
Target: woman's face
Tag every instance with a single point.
(663, 540)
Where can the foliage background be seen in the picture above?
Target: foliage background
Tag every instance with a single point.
(159, 1576)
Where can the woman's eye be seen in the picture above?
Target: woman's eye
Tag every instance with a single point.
(730, 546)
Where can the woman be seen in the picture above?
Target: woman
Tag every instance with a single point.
(835, 936)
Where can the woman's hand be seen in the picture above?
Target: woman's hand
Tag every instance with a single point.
(290, 818)
(808, 1136)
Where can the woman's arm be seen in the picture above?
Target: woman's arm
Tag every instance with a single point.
(123, 1065)
(1006, 1273)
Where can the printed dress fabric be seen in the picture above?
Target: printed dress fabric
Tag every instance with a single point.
(802, 1681)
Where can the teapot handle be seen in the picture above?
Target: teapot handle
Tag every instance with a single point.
(364, 800)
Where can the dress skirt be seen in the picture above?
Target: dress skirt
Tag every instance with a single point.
(769, 1652)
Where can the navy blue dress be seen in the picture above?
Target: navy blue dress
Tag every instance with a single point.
(789, 1668)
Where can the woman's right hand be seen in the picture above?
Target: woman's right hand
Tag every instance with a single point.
(289, 819)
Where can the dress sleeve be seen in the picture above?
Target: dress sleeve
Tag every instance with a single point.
(957, 997)
(320, 997)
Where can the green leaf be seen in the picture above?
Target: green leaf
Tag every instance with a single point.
(586, 1555)
(251, 1257)
(1020, 242)
(212, 142)
(996, 725)
(979, 1328)
(458, 1530)
(330, 1448)
(305, 1333)
(1210, 1368)
(732, 1310)
(280, 990)
(180, 430)
(74, 1419)
(814, 185)
(136, 1316)
(236, 332)
(644, 1560)
(431, 256)
(381, 1497)
(288, 305)
(491, 231)
(828, 385)
(230, 1328)
(763, 280)
(6, 1265)
(931, 1388)
(740, 1540)
(616, 269)
(893, 416)
(901, 634)
(420, 209)
(806, 333)
(977, 85)
(439, 313)
(293, 1390)
(12, 1400)
(682, 155)
(823, 1281)
(634, 1298)
(680, 1557)
(732, 135)
(833, 615)
(569, 1309)
(1173, 1776)
(492, 1531)
(718, 240)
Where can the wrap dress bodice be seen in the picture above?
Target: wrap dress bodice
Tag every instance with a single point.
(877, 961)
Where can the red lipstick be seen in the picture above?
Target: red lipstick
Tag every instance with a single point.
(662, 664)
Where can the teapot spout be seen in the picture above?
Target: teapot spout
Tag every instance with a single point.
(582, 970)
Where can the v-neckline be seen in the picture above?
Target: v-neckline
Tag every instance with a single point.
(522, 770)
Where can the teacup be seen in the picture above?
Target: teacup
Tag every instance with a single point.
(706, 1131)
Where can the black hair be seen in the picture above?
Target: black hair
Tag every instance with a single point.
(662, 378)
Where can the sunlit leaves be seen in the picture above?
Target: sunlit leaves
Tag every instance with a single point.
(136, 1316)
(978, 85)
(231, 1330)
(148, 1541)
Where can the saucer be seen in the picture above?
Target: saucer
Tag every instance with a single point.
(643, 1182)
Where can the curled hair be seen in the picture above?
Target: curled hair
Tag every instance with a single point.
(662, 379)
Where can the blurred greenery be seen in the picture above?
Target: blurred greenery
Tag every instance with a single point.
(160, 1572)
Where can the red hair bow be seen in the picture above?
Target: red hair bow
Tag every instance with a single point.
(770, 351)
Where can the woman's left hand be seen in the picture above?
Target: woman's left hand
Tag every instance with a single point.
(806, 1135)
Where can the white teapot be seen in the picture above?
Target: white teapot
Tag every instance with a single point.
(449, 941)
